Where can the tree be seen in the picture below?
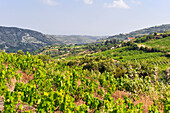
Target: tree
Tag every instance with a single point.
(155, 33)
(106, 43)
(146, 48)
(152, 50)
(142, 48)
(134, 46)
(138, 40)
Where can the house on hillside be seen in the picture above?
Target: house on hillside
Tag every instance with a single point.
(113, 48)
(131, 38)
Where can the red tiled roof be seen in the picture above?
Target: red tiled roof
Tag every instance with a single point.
(131, 38)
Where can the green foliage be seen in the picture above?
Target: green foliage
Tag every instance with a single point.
(161, 44)
(58, 85)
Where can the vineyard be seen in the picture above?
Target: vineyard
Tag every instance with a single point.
(162, 44)
(113, 81)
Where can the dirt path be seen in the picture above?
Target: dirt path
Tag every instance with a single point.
(141, 45)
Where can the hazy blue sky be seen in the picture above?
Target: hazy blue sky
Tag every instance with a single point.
(86, 17)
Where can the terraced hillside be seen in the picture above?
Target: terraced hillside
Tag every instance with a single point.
(145, 31)
(85, 84)
(162, 44)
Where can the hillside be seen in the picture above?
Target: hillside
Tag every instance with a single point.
(143, 49)
(146, 31)
(150, 49)
(62, 51)
(125, 79)
(158, 42)
(13, 39)
(76, 39)
(161, 44)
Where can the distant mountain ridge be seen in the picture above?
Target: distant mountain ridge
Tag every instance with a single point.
(145, 31)
(13, 39)
(76, 39)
